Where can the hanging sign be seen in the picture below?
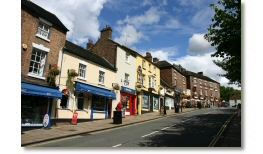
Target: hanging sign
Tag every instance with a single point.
(74, 118)
(46, 120)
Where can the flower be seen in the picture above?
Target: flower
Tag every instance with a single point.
(72, 73)
(54, 70)
(116, 86)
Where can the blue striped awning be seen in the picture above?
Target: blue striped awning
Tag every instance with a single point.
(35, 90)
(80, 87)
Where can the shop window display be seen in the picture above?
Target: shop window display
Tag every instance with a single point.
(99, 103)
(33, 109)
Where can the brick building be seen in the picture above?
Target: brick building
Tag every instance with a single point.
(43, 36)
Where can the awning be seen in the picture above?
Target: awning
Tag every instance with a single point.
(35, 90)
(80, 87)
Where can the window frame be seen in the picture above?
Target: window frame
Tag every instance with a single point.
(143, 80)
(84, 71)
(80, 97)
(103, 77)
(44, 23)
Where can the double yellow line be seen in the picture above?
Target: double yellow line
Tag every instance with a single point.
(212, 144)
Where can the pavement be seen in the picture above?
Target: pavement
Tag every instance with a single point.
(232, 131)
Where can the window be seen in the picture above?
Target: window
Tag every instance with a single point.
(143, 80)
(149, 82)
(43, 30)
(82, 71)
(127, 57)
(201, 91)
(101, 77)
(143, 64)
(205, 83)
(194, 89)
(154, 70)
(183, 80)
(175, 82)
(37, 62)
(211, 92)
(194, 80)
(127, 77)
(211, 85)
(99, 103)
(153, 83)
(206, 93)
(200, 82)
(150, 68)
(80, 101)
(174, 73)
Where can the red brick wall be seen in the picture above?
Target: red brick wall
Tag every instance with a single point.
(29, 25)
(167, 74)
(105, 48)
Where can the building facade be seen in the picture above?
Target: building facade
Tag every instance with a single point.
(43, 35)
(205, 92)
(124, 59)
(92, 92)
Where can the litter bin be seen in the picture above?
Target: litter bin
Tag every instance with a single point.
(177, 109)
(117, 117)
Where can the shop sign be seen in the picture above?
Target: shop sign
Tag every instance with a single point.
(46, 120)
(74, 118)
(128, 90)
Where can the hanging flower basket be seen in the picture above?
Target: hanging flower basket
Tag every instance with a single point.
(169, 90)
(116, 87)
(72, 73)
(161, 87)
(54, 71)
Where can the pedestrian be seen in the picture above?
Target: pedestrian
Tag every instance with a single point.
(119, 107)
(164, 111)
(239, 111)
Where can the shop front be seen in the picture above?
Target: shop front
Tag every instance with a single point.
(128, 100)
(100, 99)
(36, 101)
(169, 102)
(150, 102)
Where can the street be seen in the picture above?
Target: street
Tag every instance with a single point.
(193, 129)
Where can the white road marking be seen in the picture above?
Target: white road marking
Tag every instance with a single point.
(164, 128)
(116, 145)
(150, 133)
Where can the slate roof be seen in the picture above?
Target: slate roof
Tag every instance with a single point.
(189, 73)
(235, 97)
(43, 13)
(81, 52)
(166, 64)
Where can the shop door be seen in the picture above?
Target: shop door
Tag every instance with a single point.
(151, 104)
(161, 102)
(109, 109)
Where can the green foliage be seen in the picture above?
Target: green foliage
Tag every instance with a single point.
(227, 92)
(225, 35)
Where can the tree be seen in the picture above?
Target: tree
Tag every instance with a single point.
(225, 35)
(227, 92)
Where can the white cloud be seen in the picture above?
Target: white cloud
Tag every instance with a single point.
(151, 16)
(146, 2)
(203, 18)
(128, 35)
(162, 54)
(80, 17)
(198, 45)
(204, 63)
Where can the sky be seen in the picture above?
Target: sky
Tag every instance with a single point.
(170, 30)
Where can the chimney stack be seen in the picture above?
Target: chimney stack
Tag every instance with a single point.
(148, 56)
(201, 73)
(106, 33)
(155, 60)
(90, 44)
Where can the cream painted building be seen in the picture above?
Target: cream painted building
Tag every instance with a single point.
(93, 92)
(148, 84)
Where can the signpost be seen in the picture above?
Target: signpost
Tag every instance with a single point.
(74, 118)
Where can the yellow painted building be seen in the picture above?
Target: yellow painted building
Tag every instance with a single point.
(147, 85)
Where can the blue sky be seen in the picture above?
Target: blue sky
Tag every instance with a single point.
(171, 30)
